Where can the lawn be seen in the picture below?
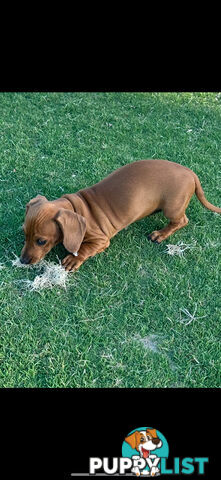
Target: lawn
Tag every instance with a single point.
(133, 316)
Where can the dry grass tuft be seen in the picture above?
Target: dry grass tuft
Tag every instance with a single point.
(179, 248)
(17, 263)
(51, 276)
(189, 317)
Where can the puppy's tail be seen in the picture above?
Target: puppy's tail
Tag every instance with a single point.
(201, 197)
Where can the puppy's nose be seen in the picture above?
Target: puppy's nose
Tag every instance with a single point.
(155, 441)
(25, 260)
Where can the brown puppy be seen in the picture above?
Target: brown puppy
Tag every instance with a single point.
(87, 220)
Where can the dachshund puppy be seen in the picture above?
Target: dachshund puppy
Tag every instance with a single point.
(86, 220)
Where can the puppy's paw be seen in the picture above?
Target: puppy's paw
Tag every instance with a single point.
(156, 237)
(154, 471)
(71, 263)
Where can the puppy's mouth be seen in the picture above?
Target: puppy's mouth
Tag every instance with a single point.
(33, 261)
(145, 452)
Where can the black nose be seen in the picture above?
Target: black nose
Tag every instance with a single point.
(155, 441)
(25, 260)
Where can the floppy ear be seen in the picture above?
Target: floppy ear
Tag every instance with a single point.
(73, 227)
(152, 432)
(132, 439)
(35, 200)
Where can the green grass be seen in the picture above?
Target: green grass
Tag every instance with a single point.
(88, 335)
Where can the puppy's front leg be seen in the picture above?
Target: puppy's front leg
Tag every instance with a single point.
(87, 249)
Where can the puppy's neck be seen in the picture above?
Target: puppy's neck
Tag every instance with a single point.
(75, 202)
(63, 203)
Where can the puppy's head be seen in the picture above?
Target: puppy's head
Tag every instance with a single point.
(144, 441)
(46, 225)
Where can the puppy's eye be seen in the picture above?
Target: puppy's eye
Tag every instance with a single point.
(41, 242)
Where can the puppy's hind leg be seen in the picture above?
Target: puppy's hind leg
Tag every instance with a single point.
(175, 212)
(174, 208)
(159, 235)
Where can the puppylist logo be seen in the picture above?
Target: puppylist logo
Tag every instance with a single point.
(145, 451)
(145, 446)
